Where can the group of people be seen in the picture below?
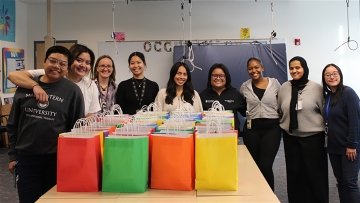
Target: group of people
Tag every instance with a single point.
(313, 119)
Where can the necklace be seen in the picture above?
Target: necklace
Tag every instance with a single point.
(139, 98)
(103, 88)
(139, 85)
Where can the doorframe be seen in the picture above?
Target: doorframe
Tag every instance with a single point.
(37, 44)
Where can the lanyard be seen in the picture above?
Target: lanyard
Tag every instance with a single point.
(142, 91)
(327, 113)
(327, 108)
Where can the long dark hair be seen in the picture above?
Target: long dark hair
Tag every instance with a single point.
(188, 90)
(326, 88)
(95, 73)
(223, 68)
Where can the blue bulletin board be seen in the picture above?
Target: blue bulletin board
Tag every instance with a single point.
(12, 60)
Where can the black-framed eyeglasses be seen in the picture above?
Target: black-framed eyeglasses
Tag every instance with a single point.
(216, 76)
(334, 74)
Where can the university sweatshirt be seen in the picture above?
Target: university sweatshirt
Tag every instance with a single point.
(33, 127)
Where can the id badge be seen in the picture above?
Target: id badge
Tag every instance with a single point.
(248, 123)
(299, 105)
(326, 141)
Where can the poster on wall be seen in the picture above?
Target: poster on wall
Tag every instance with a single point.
(12, 60)
(7, 20)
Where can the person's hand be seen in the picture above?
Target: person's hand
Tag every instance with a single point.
(12, 166)
(40, 94)
(351, 154)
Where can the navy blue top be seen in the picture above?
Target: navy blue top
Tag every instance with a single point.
(343, 121)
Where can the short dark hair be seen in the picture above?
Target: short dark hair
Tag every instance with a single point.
(138, 54)
(60, 50)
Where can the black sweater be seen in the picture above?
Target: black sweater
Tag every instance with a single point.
(33, 128)
(230, 98)
(126, 97)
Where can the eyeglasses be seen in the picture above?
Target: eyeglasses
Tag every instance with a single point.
(220, 76)
(54, 61)
(105, 66)
(334, 74)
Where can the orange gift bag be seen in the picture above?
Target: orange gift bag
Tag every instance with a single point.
(172, 161)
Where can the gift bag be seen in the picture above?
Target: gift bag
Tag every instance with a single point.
(216, 162)
(78, 163)
(172, 161)
(125, 167)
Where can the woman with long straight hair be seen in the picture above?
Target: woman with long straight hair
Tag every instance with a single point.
(179, 92)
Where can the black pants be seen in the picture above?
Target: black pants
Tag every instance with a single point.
(36, 175)
(263, 145)
(306, 168)
(346, 173)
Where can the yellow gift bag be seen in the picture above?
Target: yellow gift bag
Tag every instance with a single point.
(216, 163)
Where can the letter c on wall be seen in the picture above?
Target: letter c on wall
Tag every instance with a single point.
(167, 47)
(156, 46)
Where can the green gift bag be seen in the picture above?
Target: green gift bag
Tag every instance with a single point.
(126, 163)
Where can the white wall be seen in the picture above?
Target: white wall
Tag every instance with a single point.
(321, 25)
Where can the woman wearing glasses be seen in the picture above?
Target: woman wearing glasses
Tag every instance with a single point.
(342, 121)
(262, 133)
(219, 89)
(300, 103)
(104, 76)
(78, 70)
(179, 93)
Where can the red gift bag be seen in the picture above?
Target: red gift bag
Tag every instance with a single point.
(78, 163)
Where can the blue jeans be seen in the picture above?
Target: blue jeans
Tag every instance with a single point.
(346, 173)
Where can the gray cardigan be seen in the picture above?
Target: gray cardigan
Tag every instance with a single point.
(267, 107)
(310, 118)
